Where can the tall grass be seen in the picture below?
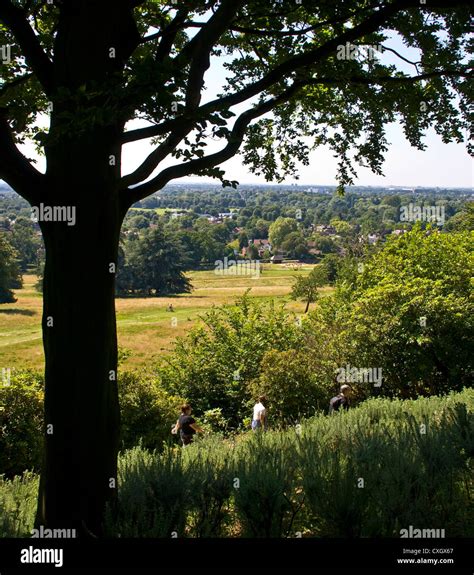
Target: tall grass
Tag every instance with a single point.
(367, 472)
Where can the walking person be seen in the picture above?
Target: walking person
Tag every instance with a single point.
(186, 425)
(259, 420)
(341, 400)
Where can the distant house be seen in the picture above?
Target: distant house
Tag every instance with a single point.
(373, 238)
(399, 232)
(262, 246)
(276, 259)
(311, 245)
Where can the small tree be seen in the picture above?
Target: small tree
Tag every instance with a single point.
(290, 385)
(280, 229)
(306, 287)
(155, 264)
(9, 273)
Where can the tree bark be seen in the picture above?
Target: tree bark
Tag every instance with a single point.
(79, 335)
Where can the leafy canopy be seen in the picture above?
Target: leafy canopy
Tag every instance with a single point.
(298, 74)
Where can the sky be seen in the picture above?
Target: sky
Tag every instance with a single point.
(441, 165)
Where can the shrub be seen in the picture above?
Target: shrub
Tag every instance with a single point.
(266, 496)
(152, 497)
(21, 423)
(291, 386)
(18, 499)
(147, 411)
(214, 363)
(415, 458)
(210, 472)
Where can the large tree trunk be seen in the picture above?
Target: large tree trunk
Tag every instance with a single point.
(80, 340)
(83, 153)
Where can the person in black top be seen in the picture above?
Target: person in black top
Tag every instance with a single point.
(186, 425)
(341, 400)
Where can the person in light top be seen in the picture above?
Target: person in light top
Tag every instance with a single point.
(259, 420)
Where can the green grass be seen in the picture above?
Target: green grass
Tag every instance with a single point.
(144, 324)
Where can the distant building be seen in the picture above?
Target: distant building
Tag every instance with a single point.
(262, 246)
(399, 232)
(276, 259)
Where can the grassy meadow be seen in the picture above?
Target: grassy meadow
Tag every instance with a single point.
(145, 327)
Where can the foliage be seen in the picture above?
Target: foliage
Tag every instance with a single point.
(147, 411)
(213, 364)
(153, 264)
(304, 481)
(147, 415)
(291, 385)
(306, 287)
(21, 422)
(408, 312)
(10, 277)
(26, 240)
(18, 498)
(280, 229)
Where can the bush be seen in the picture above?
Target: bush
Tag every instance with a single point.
(213, 365)
(21, 423)
(291, 386)
(152, 498)
(147, 415)
(408, 311)
(389, 464)
(266, 496)
(147, 411)
(414, 457)
(18, 499)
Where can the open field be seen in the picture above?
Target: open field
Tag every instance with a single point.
(144, 325)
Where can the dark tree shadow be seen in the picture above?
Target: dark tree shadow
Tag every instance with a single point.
(18, 312)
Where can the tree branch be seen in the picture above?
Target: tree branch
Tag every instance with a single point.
(391, 79)
(36, 58)
(15, 169)
(234, 141)
(198, 50)
(169, 34)
(157, 156)
(15, 82)
(371, 24)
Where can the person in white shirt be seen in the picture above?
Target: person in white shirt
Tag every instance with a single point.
(259, 420)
